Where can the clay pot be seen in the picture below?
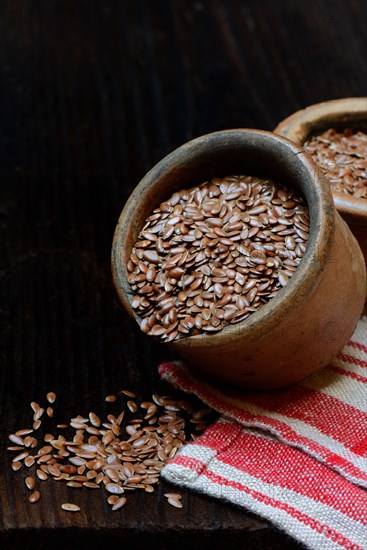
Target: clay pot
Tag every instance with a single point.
(339, 114)
(313, 316)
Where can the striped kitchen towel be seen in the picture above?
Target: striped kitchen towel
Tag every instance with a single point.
(296, 456)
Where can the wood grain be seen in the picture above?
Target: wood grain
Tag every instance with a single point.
(92, 94)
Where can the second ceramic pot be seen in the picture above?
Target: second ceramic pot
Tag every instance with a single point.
(313, 316)
(339, 114)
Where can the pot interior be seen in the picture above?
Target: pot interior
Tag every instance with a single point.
(338, 121)
(222, 154)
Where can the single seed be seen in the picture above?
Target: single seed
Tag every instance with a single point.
(24, 431)
(128, 393)
(30, 482)
(134, 479)
(114, 488)
(45, 450)
(20, 456)
(283, 278)
(29, 461)
(44, 458)
(77, 425)
(110, 398)
(175, 502)
(173, 495)
(112, 474)
(132, 406)
(119, 504)
(16, 439)
(80, 478)
(34, 497)
(68, 507)
(75, 484)
(38, 413)
(41, 475)
(94, 419)
(91, 485)
(51, 397)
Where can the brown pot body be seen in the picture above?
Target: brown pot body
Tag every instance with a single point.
(339, 114)
(310, 319)
(304, 339)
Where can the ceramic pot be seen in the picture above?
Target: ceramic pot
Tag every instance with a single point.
(338, 114)
(313, 316)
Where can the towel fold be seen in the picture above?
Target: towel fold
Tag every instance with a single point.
(296, 456)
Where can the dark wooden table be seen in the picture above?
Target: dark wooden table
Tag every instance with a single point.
(92, 94)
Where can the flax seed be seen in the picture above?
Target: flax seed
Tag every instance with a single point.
(44, 458)
(20, 456)
(51, 397)
(174, 502)
(30, 482)
(132, 406)
(114, 488)
(91, 485)
(29, 461)
(113, 475)
(45, 450)
(41, 475)
(68, 507)
(24, 431)
(38, 414)
(107, 459)
(110, 398)
(173, 495)
(16, 439)
(75, 484)
(119, 504)
(128, 393)
(34, 497)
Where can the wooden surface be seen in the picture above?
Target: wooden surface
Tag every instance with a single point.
(92, 94)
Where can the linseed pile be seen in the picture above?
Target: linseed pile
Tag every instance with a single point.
(342, 156)
(124, 453)
(211, 255)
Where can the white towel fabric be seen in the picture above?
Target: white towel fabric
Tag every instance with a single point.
(297, 456)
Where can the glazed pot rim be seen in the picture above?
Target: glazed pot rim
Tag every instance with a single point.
(319, 114)
(307, 273)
